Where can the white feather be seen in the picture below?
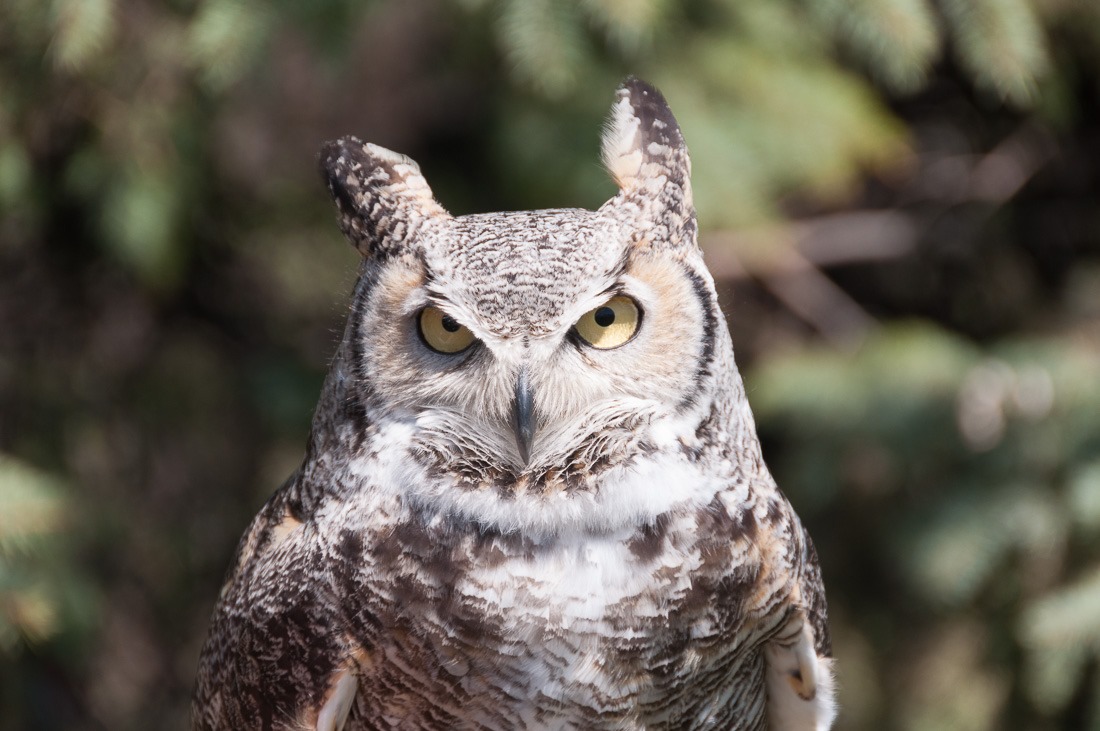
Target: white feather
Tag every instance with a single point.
(801, 686)
(619, 147)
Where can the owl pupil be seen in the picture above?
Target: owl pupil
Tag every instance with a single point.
(449, 324)
(604, 316)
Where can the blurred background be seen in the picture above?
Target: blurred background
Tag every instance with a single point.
(899, 199)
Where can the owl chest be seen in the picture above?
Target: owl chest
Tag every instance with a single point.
(594, 633)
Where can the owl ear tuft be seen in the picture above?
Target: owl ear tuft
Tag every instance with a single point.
(644, 151)
(642, 141)
(381, 195)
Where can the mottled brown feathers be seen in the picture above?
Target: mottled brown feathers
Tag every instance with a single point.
(633, 567)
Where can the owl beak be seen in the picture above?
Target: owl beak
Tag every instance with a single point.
(523, 415)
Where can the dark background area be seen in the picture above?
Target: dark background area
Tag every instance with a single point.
(898, 198)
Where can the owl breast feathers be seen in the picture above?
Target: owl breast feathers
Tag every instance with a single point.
(533, 496)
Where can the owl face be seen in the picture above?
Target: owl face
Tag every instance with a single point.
(533, 340)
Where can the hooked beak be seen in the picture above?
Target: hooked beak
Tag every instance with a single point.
(523, 415)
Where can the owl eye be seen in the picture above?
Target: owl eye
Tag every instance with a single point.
(442, 333)
(611, 324)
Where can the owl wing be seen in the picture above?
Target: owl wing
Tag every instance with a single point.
(277, 656)
(801, 687)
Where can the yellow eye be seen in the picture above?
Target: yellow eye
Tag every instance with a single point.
(611, 324)
(441, 333)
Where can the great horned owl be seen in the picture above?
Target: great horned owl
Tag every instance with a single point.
(533, 496)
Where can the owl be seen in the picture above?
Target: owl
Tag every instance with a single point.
(533, 495)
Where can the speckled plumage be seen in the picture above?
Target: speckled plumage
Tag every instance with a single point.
(638, 568)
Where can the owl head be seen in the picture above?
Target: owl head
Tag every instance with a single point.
(534, 348)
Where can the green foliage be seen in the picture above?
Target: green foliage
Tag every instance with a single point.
(544, 41)
(896, 40)
(139, 210)
(631, 26)
(224, 40)
(82, 29)
(40, 596)
(1061, 633)
(1000, 43)
(14, 174)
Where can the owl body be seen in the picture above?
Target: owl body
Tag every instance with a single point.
(533, 495)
